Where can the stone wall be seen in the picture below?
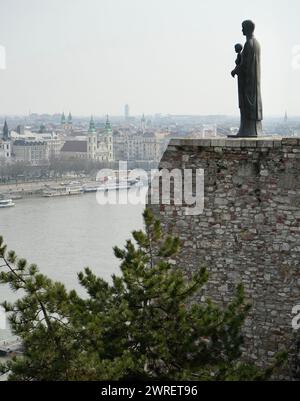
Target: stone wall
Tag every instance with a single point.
(249, 231)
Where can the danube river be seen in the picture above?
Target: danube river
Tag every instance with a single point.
(63, 235)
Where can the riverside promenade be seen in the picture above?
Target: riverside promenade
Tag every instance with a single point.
(35, 188)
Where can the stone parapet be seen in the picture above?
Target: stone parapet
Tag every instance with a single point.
(249, 231)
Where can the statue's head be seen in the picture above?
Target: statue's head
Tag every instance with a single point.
(248, 27)
(238, 48)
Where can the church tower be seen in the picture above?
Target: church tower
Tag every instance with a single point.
(70, 119)
(92, 126)
(92, 140)
(5, 134)
(108, 138)
(108, 129)
(70, 122)
(65, 124)
(63, 119)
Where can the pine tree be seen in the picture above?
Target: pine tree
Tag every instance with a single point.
(148, 324)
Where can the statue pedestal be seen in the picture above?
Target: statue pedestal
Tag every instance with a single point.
(243, 229)
(249, 129)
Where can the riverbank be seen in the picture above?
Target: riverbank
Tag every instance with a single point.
(62, 187)
(35, 189)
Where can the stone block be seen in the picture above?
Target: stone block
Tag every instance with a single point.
(277, 143)
(200, 142)
(249, 143)
(175, 142)
(265, 143)
(218, 143)
(172, 148)
(290, 141)
(233, 143)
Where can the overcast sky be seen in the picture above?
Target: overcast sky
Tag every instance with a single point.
(160, 56)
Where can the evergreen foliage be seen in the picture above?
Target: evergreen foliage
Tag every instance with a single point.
(148, 324)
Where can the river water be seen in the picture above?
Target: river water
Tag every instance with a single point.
(64, 235)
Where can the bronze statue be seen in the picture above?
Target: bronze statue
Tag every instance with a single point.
(248, 71)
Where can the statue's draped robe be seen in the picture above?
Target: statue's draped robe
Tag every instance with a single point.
(249, 78)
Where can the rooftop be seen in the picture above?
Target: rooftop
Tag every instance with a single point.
(22, 142)
(75, 147)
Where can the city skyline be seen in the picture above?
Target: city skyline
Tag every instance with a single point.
(138, 116)
(171, 57)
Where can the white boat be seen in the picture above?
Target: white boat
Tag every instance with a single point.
(5, 203)
(110, 186)
(62, 191)
(91, 189)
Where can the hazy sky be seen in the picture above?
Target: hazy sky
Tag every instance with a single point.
(167, 56)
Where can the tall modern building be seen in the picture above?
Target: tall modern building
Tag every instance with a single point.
(21, 129)
(143, 123)
(127, 112)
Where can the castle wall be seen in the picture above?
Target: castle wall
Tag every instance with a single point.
(249, 230)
